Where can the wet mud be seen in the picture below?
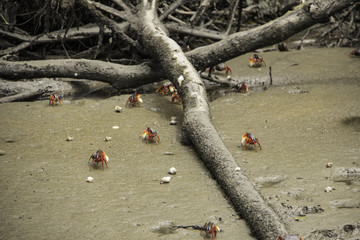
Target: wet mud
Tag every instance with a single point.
(44, 193)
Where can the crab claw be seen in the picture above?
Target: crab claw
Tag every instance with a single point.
(171, 88)
(140, 100)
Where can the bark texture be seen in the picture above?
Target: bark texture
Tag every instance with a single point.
(197, 123)
(119, 76)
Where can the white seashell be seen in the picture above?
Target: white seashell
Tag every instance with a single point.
(180, 79)
(237, 169)
(329, 164)
(165, 180)
(172, 171)
(75, 74)
(328, 189)
(115, 127)
(69, 139)
(107, 139)
(89, 179)
(173, 121)
(118, 109)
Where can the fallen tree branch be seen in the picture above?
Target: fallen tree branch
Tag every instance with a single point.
(270, 33)
(119, 76)
(197, 124)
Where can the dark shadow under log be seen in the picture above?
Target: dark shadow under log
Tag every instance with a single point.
(247, 201)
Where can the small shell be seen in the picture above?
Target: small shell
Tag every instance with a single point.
(165, 180)
(118, 109)
(115, 127)
(172, 171)
(69, 139)
(329, 164)
(237, 169)
(107, 139)
(173, 121)
(328, 189)
(180, 79)
(89, 179)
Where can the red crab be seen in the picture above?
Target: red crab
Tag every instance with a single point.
(150, 134)
(355, 53)
(176, 97)
(289, 237)
(97, 157)
(134, 99)
(220, 67)
(242, 88)
(54, 99)
(256, 61)
(248, 138)
(210, 228)
(164, 89)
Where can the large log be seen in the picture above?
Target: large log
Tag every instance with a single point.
(197, 123)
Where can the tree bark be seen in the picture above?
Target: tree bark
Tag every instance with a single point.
(197, 124)
(119, 76)
(265, 35)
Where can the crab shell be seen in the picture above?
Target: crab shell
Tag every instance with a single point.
(243, 140)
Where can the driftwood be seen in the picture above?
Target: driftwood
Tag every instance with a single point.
(197, 124)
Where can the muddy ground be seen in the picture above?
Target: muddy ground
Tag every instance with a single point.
(308, 118)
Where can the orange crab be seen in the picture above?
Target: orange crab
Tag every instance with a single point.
(150, 134)
(220, 67)
(167, 87)
(134, 99)
(97, 157)
(242, 88)
(210, 228)
(248, 138)
(54, 99)
(256, 61)
(176, 97)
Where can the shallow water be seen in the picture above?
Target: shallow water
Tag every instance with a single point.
(44, 193)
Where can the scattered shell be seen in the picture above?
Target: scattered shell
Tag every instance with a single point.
(69, 139)
(237, 169)
(174, 57)
(155, 109)
(89, 179)
(115, 127)
(173, 121)
(329, 164)
(107, 139)
(180, 79)
(165, 180)
(172, 171)
(118, 109)
(328, 189)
